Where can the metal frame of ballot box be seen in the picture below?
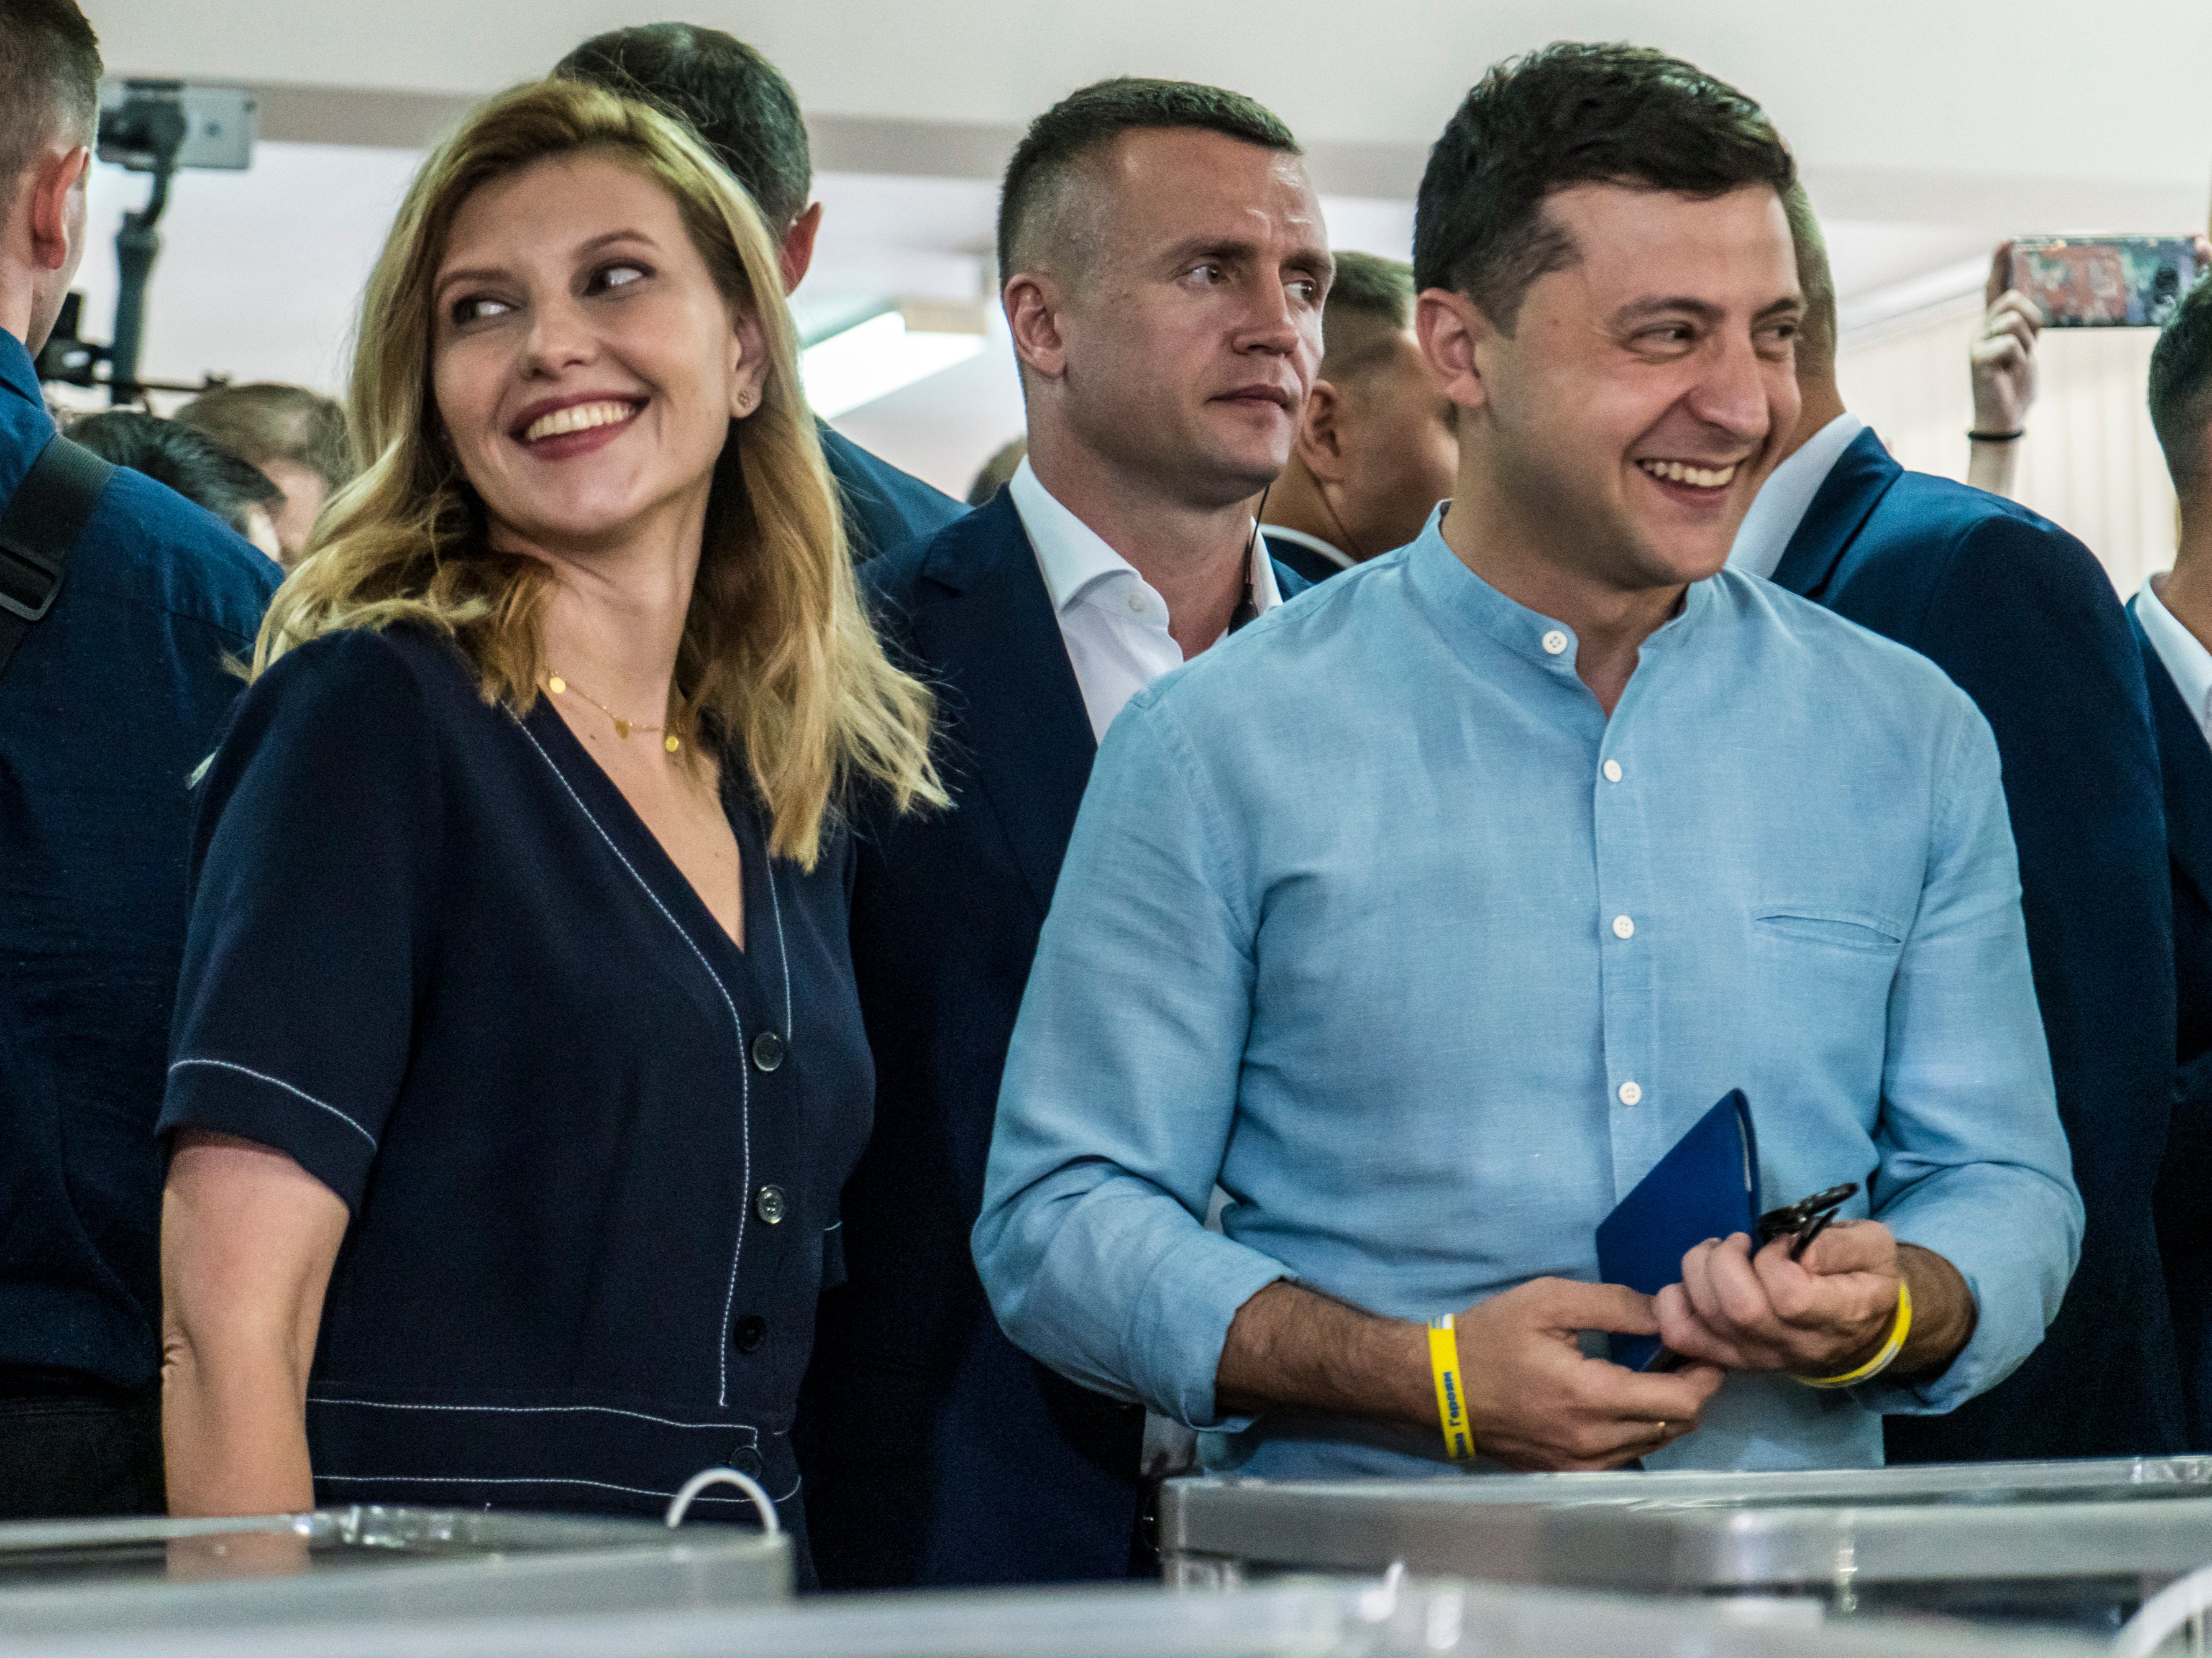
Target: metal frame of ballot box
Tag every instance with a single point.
(344, 1567)
(2066, 1545)
(1402, 1618)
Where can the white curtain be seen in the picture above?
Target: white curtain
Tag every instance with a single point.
(2089, 460)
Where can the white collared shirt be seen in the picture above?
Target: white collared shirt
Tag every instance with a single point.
(1114, 621)
(1335, 555)
(2183, 654)
(1780, 505)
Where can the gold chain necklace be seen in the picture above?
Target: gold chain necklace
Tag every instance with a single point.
(624, 727)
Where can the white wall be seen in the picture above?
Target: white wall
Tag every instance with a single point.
(2090, 460)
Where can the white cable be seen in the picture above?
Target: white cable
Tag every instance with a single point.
(2164, 1614)
(770, 1526)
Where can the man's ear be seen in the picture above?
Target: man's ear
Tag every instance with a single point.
(1033, 307)
(1321, 434)
(1454, 333)
(798, 254)
(56, 175)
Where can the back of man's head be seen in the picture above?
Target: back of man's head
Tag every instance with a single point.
(1816, 329)
(1042, 221)
(266, 421)
(1370, 302)
(1575, 114)
(192, 463)
(2181, 395)
(48, 80)
(731, 96)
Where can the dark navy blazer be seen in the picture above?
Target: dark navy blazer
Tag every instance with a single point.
(107, 705)
(884, 507)
(935, 1451)
(2184, 1215)
(2021, 615)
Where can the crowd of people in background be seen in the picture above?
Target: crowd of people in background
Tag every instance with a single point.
(686, 946)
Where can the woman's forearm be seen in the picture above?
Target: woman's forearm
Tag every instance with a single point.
(248, 1238)
(234, 1432)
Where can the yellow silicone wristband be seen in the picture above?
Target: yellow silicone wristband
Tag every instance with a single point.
(1882, 1360)
(1451, 1392)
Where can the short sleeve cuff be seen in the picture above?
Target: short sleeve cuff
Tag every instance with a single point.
(1180, 1322)
(229, 1098)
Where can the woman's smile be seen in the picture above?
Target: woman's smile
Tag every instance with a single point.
(575, 427)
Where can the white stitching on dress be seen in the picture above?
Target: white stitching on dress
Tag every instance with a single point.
(536, 1409)
(783, 953)
(744, 1077)
(278, 1082)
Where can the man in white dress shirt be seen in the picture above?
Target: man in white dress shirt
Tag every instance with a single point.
(1165, 272)
(2174, 624)
(2024, 620)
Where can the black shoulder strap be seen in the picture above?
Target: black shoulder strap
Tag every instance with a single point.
(38, 531)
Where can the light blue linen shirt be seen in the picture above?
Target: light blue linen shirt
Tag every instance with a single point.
(1374, 918)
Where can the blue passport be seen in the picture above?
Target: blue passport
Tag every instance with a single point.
(1706, 1187)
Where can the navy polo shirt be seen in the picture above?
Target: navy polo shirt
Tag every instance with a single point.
(104, 709)
(592, 1149)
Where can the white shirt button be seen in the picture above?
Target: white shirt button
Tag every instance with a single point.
(1554, 642)
(1613, 771)
(1630, 1094)
(1623, 927)
(1136, 601)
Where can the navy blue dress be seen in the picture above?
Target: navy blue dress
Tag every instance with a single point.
(592, 1150)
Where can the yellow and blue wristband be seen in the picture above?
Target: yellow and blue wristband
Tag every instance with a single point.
(1451, 1392)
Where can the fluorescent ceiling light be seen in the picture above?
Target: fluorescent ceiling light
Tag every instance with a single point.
(875, 358)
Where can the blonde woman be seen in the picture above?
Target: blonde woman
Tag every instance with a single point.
(517, 1064)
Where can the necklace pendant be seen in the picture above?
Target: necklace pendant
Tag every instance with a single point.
(621, 729)
(557, 684)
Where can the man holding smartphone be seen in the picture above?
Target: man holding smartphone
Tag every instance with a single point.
(2023, 619)
(1595, 831)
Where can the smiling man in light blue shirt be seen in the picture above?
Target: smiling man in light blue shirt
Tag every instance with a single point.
(1597, 831)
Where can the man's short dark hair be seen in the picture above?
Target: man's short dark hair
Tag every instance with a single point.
(49, 82)
(731, 96)
(1085, 122)
(1370, 299)
(192, 463)
(1575, 114)
(269, 422)
(2181, 389)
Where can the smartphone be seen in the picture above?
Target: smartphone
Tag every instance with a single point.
(2105, 282)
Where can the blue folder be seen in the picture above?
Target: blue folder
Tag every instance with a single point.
(1706, 1187)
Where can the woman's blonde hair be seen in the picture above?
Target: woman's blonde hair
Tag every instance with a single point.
(776, 654)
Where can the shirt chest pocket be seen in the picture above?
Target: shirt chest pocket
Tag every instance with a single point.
(1856, 931)
(1826, 968)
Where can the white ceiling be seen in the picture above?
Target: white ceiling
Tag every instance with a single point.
(2034, 89)
(1927, 131)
